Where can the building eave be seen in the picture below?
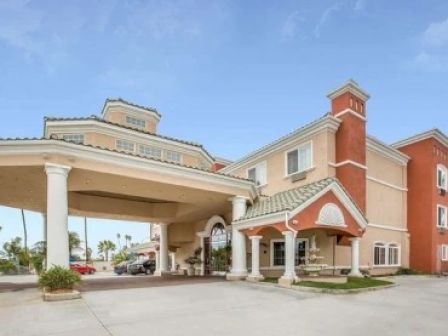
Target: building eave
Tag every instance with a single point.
(386, 150)
(327, 122)
(434, 133)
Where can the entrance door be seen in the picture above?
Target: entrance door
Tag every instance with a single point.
(217, 251)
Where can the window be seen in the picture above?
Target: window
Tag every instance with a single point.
(386, 254)
(219, 237)
(135, 121)
(76, 138)
(442, 216)
(379, 254)
(299, 159)
(278, 253)
(394, 254)
(444, 253)
(442, 178)
(125, 146)
(173, 156)
(150, 151)
(258, 173)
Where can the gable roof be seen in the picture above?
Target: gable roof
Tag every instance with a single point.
(295, 200)
(432, 133)
(125, 102)
(326, 121)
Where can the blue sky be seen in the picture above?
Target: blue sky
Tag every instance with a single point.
(232, 75)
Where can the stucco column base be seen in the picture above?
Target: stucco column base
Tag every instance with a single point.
(255, 278)
(236, 276)
(286, 281)
(162, 273)
(355, 274)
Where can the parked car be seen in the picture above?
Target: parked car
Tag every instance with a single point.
(122, 267)
(83, 269)
(142, 266)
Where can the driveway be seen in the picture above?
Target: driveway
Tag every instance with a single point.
(419, 306)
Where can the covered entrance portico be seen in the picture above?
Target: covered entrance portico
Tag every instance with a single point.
(57, 179)
(286, 229)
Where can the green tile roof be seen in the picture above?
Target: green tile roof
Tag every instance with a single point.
(287, 200)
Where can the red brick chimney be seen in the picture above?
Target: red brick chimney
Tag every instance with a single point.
(348, 103)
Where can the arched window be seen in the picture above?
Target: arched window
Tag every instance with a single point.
(330, 214)
(442, 177)
(218, 236)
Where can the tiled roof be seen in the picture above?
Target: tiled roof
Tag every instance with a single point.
(128, 154)
(121, 100)
(290, 199)
(101, 120)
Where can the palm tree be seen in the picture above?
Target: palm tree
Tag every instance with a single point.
(25, 233)
(127, 238)
(85, 238)
(104, 247)
(13, 248)
(118, 241)
(73, 240)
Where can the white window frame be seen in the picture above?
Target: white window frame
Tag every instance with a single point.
(130, 120)
(444, 225)
(261, 178)
(142, 148)
(444, 252)
(169, 152)
(77, 138)
(444, 170)
(281, 240)
(387, 246)
(310, 143)
(122, 149)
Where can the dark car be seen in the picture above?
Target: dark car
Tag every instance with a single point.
(122, 267)
(142, 266)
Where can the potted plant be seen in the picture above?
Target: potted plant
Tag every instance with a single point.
(193, 260)
(58, 284)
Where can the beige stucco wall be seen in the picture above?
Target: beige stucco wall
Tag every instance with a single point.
(323, 146)
(118, 116)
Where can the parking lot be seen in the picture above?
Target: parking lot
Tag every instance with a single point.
(418, 306)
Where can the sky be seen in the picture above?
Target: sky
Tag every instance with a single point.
(231, 75)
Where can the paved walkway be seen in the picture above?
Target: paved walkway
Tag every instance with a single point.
(418, 306)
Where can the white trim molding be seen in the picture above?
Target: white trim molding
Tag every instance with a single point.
(433, 133)
(387, 184)
(387, 151)
(346, 162)
(387, 227)
(352, 112)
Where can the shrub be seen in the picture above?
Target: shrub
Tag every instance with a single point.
(7, 267)
(58, 277)
(406, 271)
(37, 261)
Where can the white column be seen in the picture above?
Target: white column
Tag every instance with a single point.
(57, 215)
(157, 262)
(290, 275)
(355, 272)
(173, 261)
(163, 249)
(239, 267)
(255, 274)
(201, 236)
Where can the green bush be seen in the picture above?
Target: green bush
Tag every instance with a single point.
(59, 277)
(37, 261)
(406, 271)
(7, 267)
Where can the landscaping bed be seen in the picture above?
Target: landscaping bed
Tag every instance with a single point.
(352, 283)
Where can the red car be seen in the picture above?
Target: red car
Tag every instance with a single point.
(83, 269)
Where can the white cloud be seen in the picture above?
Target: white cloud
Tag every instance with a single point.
(427, 62)
(290, 27)
(436, 35)
(326, 15)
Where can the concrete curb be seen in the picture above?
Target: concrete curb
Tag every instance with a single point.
(304, 289)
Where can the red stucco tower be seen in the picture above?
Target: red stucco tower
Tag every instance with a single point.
(348, 103)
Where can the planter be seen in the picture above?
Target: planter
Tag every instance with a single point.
(61, 295)
(191, 270)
